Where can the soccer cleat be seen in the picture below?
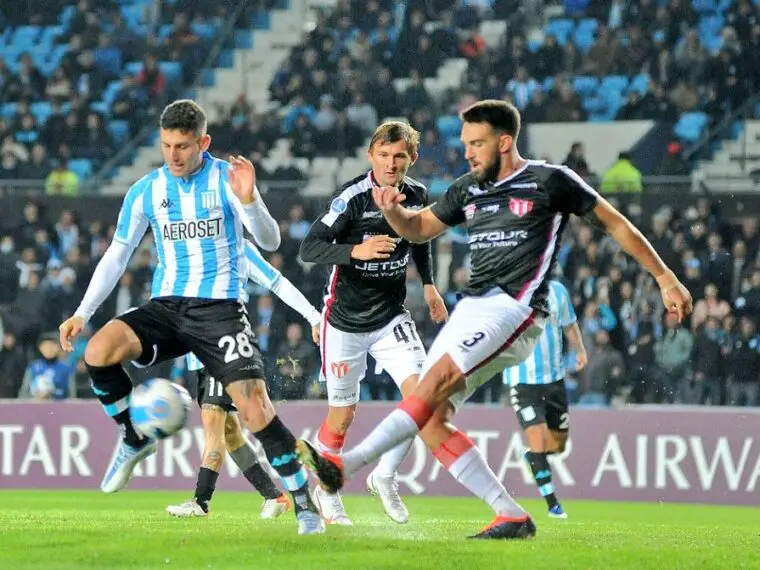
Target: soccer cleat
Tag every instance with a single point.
(310, 522)
(557, 512)
(189, 508)
(387, 489)
(120, 470)
(508, 528)
(273, 508)
(327, 467)
(330, 507)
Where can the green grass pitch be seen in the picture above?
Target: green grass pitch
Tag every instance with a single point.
(43, 530)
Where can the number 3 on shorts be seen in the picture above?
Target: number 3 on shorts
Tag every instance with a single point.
(235, 347)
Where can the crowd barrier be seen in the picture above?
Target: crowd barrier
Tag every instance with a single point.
(668, 454)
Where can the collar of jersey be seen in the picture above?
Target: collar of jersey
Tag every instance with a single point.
(515, 173)
(205, 161)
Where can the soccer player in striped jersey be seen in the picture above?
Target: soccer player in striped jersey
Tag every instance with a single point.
(221, 427)
(538, 391)
(197, 207)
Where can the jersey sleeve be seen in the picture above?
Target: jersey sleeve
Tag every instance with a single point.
(132, 221)
(321, 244)
(259, 270)
(566, 310)
(450, 208)
(569, 193)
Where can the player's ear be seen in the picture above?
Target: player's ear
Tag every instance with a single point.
(505, 143)
(205, 142)
(415, 156)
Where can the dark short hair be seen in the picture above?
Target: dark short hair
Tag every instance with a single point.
(502, 116)
(184, 115)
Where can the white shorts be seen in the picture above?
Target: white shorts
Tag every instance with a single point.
(483, 336)
(396, 347)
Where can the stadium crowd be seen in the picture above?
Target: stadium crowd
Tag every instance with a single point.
(638, 354)
(334, 88)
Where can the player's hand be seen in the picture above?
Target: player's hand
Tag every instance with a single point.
(315, 334)
(675, 296)
(435, 303)
(386, 197)
(242, 179)
(375, 247)
(581, 360)
(69, 330)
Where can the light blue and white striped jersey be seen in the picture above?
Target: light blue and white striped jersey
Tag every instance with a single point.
(197, 224)
(257, 269)
(546, 364)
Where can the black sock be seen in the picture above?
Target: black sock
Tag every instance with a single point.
(280, 447)
(542, 473)
(262, 482)
(112, 386)
(245, 458)
(204, 487)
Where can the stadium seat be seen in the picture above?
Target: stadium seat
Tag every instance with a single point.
(560, 29)
(119, 131)
(205, 31)
(172, 71)
(614, 83)
(437, 187)
(690, 126)
(454, 142)
(448, 126)
(133, 67)
(26, 35)
(82, 167)
(640, 84)
(585, 85)
(41, 111)
(8, 110)
(534, 45)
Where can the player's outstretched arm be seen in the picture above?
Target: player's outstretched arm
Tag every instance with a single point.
(107, 274)
(263, 227)
(675, 296)
(416, 226)
(261, 271)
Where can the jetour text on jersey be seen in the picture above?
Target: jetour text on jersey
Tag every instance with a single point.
(193, 229)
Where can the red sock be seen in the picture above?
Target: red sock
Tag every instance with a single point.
(330, 441)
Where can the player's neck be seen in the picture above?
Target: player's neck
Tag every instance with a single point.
(512, 163)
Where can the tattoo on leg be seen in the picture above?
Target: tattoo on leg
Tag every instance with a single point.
(213, 461)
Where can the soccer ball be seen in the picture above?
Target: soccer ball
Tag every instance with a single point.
(160, 408)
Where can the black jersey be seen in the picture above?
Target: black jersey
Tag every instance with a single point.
(363, 296)
(515, 225)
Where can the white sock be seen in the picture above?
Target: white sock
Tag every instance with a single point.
(397, 427)
(471, 470)
(390, 461)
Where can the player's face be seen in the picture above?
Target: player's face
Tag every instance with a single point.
(390, 162)
(483, 149)
(183, 150)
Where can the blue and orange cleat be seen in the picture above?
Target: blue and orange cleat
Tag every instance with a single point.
(507, 528)
(557, 512)
(327, 467)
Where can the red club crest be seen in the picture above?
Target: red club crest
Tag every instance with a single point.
(520, 207)
(339, 369)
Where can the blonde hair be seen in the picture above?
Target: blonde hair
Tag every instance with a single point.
(395, 131)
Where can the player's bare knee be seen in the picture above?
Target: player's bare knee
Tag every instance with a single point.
(441, 381)
(112, 345)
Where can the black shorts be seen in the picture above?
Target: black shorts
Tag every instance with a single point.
(217, 331)
(212, 392)
(541, 403)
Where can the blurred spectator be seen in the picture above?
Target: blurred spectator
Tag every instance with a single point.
(12, 365)
(672, 354)
(296, 361)
(62, 180)
(709, 376)
(622, 176)
(744, 365)
(48, 377)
